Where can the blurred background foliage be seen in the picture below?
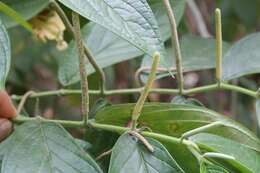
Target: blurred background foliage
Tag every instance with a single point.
(35, 66)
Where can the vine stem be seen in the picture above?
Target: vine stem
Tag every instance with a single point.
(140, 103)
(23, 100)
(218, 45)
(121, 130)
(176, 45)
(66, 123)
(83, 72)
(202, 89)
(106, 127)
(87, 51)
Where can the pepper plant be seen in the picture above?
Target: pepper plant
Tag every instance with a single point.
(147, 137)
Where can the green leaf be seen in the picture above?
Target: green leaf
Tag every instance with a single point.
(174, 120)
(258, 111)
(243, 58)
(197, 54)
(45, 147)
(211, 168)
(26, 8)
(129, 155)
(246, 159)
(5, 55)
(182, 100)
(107, 47)
(132, 21)
(15, 16)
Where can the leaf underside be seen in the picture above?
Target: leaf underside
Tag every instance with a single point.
(45, 147)
(5, 55)
(243, 58)
(131, 20)
(108, 47)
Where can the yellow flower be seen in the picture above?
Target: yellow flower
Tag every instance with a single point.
(48, 26)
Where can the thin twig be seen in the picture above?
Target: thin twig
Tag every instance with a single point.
(218, 46)
(83, 72)
(106, 153)
(87, 51)
(147, 70)
(139, 105)
(142, 139)
(176, 45)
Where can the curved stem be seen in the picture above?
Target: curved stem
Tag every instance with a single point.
(23, 100)
(147, 70)
(176, 45)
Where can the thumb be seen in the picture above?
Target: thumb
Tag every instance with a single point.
(7, 109)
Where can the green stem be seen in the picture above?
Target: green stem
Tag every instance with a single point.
(176, 45)
(87, 51)
(207, 88)
(196, 90)
(218, 46)
(200, 129)
(218, 156)
(106, 127)
(83, 72)
(238, 89)
(122, 130)
(65, 123)
(140, 103)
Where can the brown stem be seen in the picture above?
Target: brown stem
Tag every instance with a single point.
(83, 72)
(176, 45)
